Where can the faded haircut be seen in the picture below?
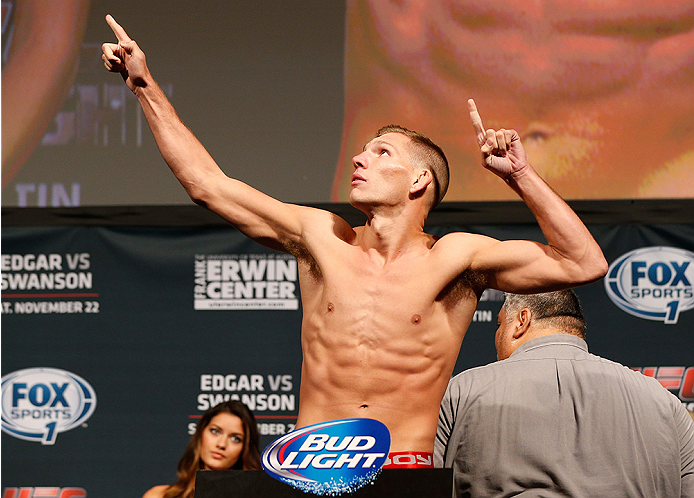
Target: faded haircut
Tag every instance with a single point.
(560, 309)
(425, 153)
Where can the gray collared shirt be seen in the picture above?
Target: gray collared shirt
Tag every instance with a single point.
(554, 420)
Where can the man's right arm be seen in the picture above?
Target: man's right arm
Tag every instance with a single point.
(257, 215)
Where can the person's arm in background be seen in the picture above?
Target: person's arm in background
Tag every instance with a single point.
(38, 75)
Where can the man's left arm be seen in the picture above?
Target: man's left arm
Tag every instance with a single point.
(571, 255)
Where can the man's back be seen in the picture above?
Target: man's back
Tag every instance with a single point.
(554, 420)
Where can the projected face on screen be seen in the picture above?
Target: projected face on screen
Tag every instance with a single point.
(74, 135)
(41, 43)
(600, 92)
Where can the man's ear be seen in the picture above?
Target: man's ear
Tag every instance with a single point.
(424, 178)
(524, 318)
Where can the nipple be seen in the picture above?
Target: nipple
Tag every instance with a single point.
(416, 319)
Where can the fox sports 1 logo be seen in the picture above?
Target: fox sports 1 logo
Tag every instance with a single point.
(330, 458)
(654, 283)
(40, 403)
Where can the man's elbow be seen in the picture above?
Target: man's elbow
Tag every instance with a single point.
(199, 202)
(599, 271)
(199, 194)
(594, 269)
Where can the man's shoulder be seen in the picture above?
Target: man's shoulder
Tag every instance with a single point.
(635, 380)
(480, 373)
(459, 248)
(458, 238)
(323, 216)
(320, 225)
(522, 361)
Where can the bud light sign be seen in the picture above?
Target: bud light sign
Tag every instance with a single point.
(39, 403)
(329, 458)
(653, 283)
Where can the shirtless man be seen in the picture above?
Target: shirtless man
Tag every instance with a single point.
(385, 305)
(600, 92)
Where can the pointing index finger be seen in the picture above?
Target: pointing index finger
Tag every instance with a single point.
(117, 29)
(476, 119)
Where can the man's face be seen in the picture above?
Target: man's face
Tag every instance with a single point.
(504, 336)
(383, 172)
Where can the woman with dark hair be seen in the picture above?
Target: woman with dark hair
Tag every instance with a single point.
(226, 438)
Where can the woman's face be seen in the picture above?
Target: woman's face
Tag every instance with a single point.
(222, 442)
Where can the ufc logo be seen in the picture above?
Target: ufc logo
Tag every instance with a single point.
(44, 493)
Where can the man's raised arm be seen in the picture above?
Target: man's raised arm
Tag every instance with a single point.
(259, 216)
(571, 257)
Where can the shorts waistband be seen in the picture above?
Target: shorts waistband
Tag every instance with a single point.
(409, 460)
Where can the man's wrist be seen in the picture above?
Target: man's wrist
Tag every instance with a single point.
(516, 178)
(145, 87)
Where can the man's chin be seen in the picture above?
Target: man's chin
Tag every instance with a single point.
(358, 203)
(353, 199)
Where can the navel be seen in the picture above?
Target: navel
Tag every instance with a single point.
(416, 319)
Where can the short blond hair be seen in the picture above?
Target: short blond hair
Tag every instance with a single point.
(425, 153)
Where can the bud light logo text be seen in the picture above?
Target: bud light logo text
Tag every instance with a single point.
(654, 283)
(40, 403)
(329, 458)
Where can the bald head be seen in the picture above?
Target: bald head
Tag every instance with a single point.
(526, 316)
(558, 310)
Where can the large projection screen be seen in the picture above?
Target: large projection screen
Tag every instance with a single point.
(284, 93)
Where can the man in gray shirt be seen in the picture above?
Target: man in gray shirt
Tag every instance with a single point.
(552, 420)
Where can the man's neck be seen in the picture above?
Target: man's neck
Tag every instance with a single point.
(390, 235)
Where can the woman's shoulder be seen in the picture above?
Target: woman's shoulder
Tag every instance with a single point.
(156, 491)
